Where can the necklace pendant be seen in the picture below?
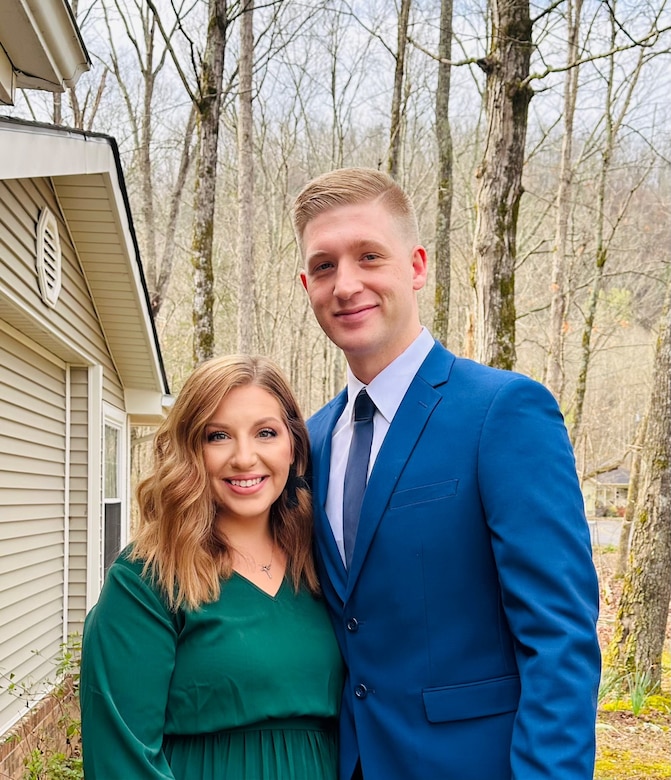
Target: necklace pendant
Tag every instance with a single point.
(266, 569)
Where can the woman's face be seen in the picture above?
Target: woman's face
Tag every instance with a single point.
(248, 451)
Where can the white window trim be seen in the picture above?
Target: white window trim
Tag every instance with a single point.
(101, 414)
(94, 565)
(116, 418)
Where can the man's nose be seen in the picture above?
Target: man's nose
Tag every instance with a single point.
(347, 281)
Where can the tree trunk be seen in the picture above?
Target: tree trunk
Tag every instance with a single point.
(640, 624)
(500, 174)
(246, 307)
(169, 244)
(208, 106)
(632, 498)
(144, 155)
(558, 301)
(395, 135)
(441, 309)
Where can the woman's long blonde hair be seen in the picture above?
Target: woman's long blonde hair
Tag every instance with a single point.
(177, 538)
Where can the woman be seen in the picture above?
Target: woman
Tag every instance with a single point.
(209, 654)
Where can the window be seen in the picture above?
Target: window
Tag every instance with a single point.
(114, 504)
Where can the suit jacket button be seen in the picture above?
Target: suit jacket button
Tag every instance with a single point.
(352, 625)
(361, 691)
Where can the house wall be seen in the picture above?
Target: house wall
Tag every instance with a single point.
(33, 462)
(49, 408)
(73, 324)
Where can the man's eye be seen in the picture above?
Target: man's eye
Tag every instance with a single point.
(370, 256)
(321, 267)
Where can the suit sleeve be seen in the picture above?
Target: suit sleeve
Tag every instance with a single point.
(128, 656)
(541, 544)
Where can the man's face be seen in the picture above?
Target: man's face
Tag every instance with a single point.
(361, 275)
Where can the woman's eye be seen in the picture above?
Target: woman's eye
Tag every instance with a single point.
(267, 433)
(217, 436)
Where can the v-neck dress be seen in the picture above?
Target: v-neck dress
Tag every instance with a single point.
(246, 688)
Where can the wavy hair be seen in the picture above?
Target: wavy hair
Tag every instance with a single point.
(177, 538)
(348, 187)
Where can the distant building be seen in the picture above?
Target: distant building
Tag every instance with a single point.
(605, 492)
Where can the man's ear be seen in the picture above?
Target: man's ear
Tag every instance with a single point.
(419, 267)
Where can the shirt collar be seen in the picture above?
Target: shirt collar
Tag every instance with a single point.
(391, 384)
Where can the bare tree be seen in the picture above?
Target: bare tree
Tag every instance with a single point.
(246, 308)
(632, 501)
(158, 263)
(617, 104)
(500, 175)
(640, 623)
(206, 99)
(443, 257)
(396, 124)
(554, 368)
(208, 106)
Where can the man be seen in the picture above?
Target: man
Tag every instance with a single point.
(465, 601)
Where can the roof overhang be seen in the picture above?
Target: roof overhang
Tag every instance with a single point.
(40, 47)
(85, 169)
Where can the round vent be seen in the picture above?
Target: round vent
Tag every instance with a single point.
(48, 258)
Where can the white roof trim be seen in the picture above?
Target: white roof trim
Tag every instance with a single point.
(7, 79)
(43, 150)
(43, 43)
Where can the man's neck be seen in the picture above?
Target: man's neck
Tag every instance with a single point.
(366, 367)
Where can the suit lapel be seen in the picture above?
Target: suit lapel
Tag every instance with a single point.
(406, 427)
(321, 453)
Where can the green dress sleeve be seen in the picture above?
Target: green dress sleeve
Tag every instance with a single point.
(128, 656)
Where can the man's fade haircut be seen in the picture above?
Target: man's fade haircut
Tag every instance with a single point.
(349, 187)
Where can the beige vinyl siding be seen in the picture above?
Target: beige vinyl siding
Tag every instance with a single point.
(78, 498)
(33, 461)
(74, 320)
(95, 229)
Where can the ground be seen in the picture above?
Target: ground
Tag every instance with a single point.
(633, 729)
(629, 746)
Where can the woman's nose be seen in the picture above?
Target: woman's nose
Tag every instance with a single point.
(244, 455)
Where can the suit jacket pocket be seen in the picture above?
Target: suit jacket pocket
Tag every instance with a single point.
(424, 493)
(472, 700)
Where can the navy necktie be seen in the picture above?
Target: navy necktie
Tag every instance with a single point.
(356, 472)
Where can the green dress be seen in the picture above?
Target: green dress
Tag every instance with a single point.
(246, 688)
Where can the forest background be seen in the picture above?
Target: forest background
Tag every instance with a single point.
(534, 141)
(322, 87)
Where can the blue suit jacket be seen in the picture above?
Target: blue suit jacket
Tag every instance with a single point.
(468, 618)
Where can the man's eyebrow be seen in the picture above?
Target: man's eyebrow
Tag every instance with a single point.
(318, 253)
(357, 245)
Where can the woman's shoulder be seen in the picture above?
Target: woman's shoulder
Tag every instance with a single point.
(127, 562)
(130, 581)
(132, 571)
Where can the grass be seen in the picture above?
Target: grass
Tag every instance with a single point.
(634, 718)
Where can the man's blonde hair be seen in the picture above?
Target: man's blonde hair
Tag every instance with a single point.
(352, 186)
